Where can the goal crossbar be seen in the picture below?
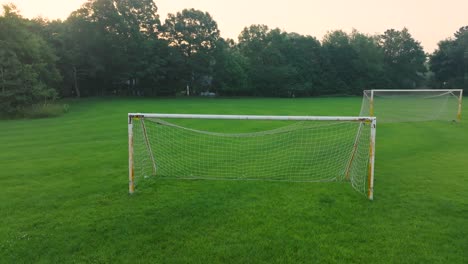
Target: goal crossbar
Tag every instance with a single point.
(416, 90)
(255, 117)
(136, 121)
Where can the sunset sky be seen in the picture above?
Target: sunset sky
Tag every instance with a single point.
(428, 21)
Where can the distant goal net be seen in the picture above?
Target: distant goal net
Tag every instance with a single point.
(412, 105)
(246, 147)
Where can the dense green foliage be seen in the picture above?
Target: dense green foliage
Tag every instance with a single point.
(120, 47)
(65, 199)
(450, 61)
(28, 72)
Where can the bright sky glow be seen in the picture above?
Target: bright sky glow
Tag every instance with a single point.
(428, 21)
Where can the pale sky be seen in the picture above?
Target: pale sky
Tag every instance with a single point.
(428, 21)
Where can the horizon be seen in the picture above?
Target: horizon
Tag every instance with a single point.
(428, 25)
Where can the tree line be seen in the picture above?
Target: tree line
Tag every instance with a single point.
(121, 47)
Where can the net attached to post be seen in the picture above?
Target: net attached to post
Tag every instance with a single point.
(412, 105)
(296, 151)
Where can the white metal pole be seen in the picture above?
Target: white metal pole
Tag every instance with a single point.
(370, 180)
(417, 90)
(460, 106)
(371, 111)
(131, 175)
(255, 117)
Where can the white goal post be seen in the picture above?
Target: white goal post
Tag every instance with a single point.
(274, 148)
(413, 104)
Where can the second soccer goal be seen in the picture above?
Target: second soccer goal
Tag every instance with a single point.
(248, 147)
(413, 105)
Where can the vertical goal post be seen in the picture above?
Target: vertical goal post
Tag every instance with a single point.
(460, 99)
(370, 122)
(403, 105)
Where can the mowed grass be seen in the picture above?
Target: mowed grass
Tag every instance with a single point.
(64, 195)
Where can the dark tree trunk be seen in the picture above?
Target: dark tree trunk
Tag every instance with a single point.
(75, 82)
(2, 71)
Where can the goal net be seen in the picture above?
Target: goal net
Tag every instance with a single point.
(412, 105)
(274, 148)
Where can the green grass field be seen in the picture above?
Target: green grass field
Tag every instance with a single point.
(64, 195)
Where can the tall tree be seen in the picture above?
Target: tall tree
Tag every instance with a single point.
(230, 70)
(449, 62)
(369, 62)
(108, 45)
(195, 34)
(342, 57)
(404, 59)
(281, 63)
(252, 41)
(304, 54)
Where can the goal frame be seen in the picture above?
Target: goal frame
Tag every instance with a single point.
(370, 120)
(371, 98)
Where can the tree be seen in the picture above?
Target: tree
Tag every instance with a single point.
(252, 41)
(356, 62)
(342, 58)
(231, 69)
(404, 59)
(195, 34)
(304, 55)
(110, 44)
(281, 63)
(449, 62)
(369, 62)
(28, 72)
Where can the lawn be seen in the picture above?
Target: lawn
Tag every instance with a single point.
(65, 199)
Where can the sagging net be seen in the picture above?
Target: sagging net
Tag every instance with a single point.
(306, 151)
(411, 105)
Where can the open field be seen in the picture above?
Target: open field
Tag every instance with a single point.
(64, 195)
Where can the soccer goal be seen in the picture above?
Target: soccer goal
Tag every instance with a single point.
(248, 147)
(412, 105)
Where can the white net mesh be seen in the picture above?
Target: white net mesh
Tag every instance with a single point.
(411, 105)
(305, 151)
